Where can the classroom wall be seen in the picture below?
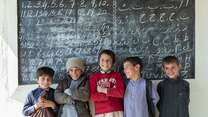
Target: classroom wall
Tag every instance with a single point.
(12, 95)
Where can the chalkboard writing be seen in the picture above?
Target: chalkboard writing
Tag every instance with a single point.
(51, 31)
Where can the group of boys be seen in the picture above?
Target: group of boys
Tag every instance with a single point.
(109, 95)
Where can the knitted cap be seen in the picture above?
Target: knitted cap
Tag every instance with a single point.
(75, 62)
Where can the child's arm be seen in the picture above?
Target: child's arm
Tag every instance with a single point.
(81, 93)
(155, 96)
(60, 96)
(159, 90)
(29, 106)
(118, 91)
(94, 95)
(187, 91)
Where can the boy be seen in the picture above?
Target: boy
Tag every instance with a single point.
(34, 100)
(173, 91)
(140, 96)
(72, 93)
(107, 87)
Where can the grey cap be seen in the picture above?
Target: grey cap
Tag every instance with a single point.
(75, 62)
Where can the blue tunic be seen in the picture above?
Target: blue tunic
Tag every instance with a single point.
(135, 102)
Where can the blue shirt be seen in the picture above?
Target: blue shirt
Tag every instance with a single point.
(32, 99)
(135, 102)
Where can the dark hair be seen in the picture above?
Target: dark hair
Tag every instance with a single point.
(108, 52)
(135, 60)
(170, 59)
(45, 71)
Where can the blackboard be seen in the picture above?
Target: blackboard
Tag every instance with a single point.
(50, 31)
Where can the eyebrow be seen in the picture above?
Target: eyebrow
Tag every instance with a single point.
(74, 68)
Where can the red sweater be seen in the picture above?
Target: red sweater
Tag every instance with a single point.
(113, 100)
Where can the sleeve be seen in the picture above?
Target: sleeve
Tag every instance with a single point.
(94, 95)
(55, 110)
(188, 92)
(155, 95)
(159, 90)
(81, 93)
(28, 107)
(60, 96)
(118, 91)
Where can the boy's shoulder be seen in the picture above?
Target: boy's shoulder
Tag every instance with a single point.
(115, 73)
(39, 90)
(182, 81)
(94, 74)
(34, 92)
(162, 82)
(64, 82)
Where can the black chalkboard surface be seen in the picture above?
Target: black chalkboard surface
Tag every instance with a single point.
(50, 31)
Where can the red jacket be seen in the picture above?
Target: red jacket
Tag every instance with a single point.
(113, 100)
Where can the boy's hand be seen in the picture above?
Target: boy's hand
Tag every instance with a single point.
(101, 89)
(48, 103)
(68, 91)
(41, 99)
(38, 105)
(43, 103)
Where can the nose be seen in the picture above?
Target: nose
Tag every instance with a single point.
(104, 62)
(73, 71)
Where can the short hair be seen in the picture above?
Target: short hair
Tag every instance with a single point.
(45, 71)
(170, 59)
(135, 60)
(108, 52)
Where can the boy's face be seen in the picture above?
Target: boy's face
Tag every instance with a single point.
(130, 70)
(44, 81)
(171, 70)
(105, 62)
(75, 73)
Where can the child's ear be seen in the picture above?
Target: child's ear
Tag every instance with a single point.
(138, 67)
(180, 66)
(163, 69)
(37, 81)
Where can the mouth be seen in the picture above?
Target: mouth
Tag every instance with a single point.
(104, 65)
(127, 75)
(171, 75)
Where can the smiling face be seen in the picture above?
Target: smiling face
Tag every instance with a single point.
(44, 81)
(75, 73)
(131, 71)
(172, 70)
(105, 62)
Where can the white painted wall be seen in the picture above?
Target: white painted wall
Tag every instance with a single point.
(11, 96)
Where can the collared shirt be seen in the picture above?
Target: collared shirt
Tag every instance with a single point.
(135, 102)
